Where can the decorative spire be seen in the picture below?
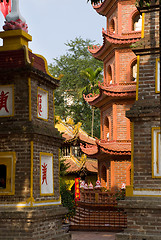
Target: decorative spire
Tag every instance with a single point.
(14, 19)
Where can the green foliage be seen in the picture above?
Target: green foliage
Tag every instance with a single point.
(63, 167)
(120, 194)
(92, 78)
(76, 59)
(67, 198)
(141, 3)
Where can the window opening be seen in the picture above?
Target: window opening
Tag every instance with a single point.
(107, 134)
(134, 71)
(3, 175)
(104, 174)
(109, 74)
(137, 23)
(76, 151)
(65, 151)
(112, 26)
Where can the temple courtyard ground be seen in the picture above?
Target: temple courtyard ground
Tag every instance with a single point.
(78, 235)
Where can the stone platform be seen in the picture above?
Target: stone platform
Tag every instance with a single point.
(32, 223)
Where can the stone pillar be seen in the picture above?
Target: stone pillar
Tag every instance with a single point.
(143, 197)
(30, 203)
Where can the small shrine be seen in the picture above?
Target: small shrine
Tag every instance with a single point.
(79, 165)
(30, 202)
(117, 92)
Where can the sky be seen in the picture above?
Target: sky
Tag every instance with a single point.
(55, 22)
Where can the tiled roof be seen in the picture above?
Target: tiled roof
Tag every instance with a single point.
(86, 138)
(90, 165)
(126, 38)
(74, 165)
(101, 6)
(114, 39)
(108, 147)
(71, 131)
(89, 149)
(112, 90)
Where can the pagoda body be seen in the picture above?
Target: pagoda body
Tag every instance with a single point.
(143, 197)
(117, 92)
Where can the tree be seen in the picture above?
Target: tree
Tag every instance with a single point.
(92, 86)
(68, 97)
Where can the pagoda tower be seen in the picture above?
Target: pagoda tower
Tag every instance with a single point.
(30, 202)
(117, 92)
(143, 197)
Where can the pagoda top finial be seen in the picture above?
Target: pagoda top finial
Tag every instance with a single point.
(14, 19)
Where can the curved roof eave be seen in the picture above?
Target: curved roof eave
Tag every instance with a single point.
(123, 39)
(101, 7)
(111, 148)
(98, 51)
(115, 90)
(110, 39)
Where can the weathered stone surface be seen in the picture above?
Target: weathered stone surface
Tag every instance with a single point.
(36, 224)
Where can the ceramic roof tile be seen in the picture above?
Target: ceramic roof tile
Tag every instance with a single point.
(108, 147)
(112, 90)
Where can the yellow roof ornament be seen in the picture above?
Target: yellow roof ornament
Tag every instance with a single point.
(70, 121)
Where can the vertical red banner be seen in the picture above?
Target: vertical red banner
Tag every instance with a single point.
(77, 189)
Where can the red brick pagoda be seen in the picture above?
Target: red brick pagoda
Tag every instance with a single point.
(117, 92)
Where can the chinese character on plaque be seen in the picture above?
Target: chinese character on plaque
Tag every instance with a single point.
(6, 101)
(46, 173)
(42, 104)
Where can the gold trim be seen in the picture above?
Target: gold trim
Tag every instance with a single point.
(29, 84)
(51, 155)
(14, 40)
(157, 160)
(54, 108)
(137, 79)
(142, 29)
(129, 189)
(46, 67)
(31, 180)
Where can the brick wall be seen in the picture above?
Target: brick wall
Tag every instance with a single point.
(125, 59)
(107, 113)
(128, 7)
(120, 172)
(43, 223)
